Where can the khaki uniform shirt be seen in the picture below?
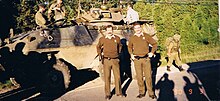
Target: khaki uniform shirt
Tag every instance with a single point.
(174, 46)
(40, 19)
(140, 45)
(57, 13)
(110, 47)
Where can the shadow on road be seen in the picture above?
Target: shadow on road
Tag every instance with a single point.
(166, 87)
(155, 63)
(207, 81)
(194, 91)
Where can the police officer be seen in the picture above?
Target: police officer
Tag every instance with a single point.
(173, 53)
(109, 46)
(40, 18)
(59, 11)
(138, 47)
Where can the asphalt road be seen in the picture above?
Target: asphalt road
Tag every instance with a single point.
(199, 82)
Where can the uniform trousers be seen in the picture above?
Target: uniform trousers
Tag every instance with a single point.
(112, 64)
(174, 56)
(143, 68)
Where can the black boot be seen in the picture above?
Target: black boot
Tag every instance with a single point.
(168, 68)
(180, 68)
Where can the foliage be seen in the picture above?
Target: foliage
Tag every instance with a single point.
(196, 23)
(195, 20)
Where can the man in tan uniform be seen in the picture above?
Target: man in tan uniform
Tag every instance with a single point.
(138, 47)
(109, 46)
(174, 52)
(59, 11)
(40, 18)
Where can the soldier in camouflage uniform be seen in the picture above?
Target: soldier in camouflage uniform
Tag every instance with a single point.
(59, 11)
(174, 53)
(40, 18)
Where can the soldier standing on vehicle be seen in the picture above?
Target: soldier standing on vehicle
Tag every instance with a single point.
(59, 11)
(40, 18)
(132, 15)
(173, 53)
(138, 47)
(108, 48)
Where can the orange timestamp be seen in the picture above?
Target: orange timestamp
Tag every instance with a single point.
(189, 91)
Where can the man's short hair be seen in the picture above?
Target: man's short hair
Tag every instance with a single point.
(130, 5)
(136, 23)
(41, 5)
(109, 26)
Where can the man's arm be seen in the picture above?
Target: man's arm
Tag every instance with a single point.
(128, 17)
(169, 49)
(50, 10)
(63, 10)
(152, 42)
(99, 46)
(130, 48)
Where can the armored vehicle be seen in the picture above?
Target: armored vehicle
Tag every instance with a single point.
(39, 57)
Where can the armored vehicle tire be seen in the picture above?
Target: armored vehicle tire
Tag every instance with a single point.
(57, 80)
(62, 67)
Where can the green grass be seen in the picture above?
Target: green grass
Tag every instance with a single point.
(200, 55)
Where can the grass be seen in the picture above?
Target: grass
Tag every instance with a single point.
(200, 55)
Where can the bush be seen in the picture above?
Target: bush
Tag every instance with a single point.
(196, 23)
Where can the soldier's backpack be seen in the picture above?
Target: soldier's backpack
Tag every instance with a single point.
(168, 41)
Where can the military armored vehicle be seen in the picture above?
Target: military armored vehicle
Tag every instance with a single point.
(40, 56)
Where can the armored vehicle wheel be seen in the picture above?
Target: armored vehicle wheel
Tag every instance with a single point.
(60, 66)
(57, 80)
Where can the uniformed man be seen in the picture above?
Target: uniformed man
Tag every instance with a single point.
(173, 53)
(109, 47)
(132, 15)
(59, 11)
(40, 18)
(138, 47)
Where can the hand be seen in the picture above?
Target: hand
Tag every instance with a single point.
(150, 55)
(179, 50)
(132, 56)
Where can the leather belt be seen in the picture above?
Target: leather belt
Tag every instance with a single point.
(140, 57)
(110, 58)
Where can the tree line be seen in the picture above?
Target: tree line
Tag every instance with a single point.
(195, 20)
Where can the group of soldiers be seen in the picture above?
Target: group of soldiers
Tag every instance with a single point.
(56, 13)
(109, 49)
